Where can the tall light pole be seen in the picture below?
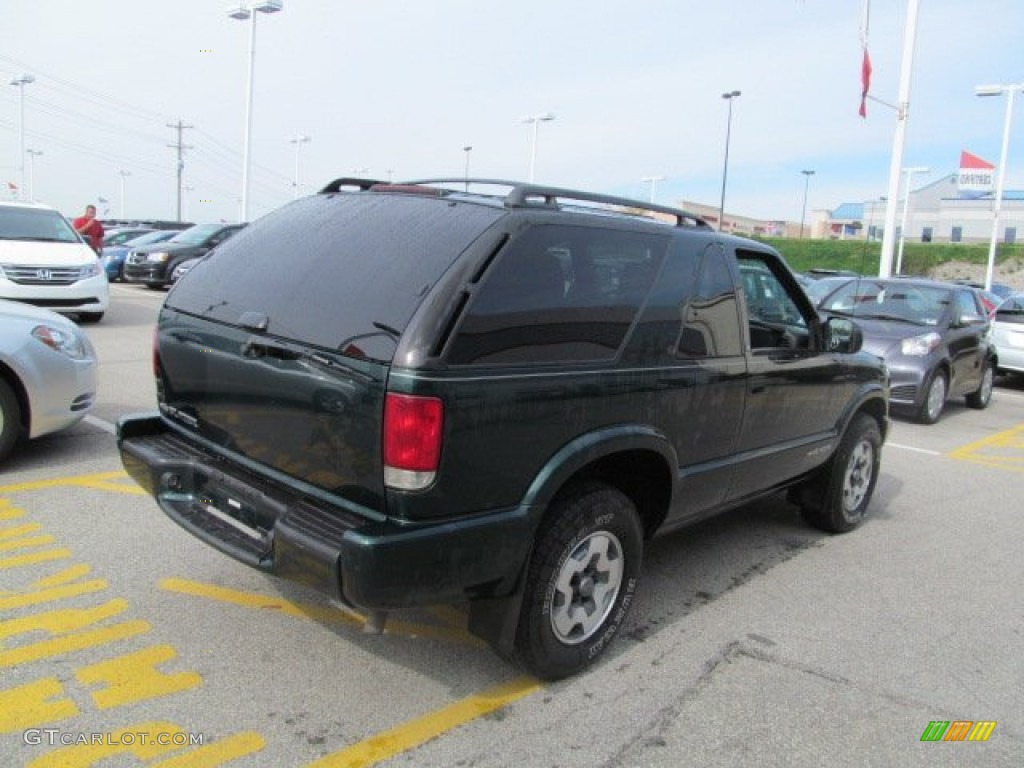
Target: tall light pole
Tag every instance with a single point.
(467, 149)
(20, 82)
(535, 120)
(725, 168)
(903, 221)
(298, 141)
(997, 204)
(803, 214)
(123, 173)
(652, 180)
(32, 155)
(242, 13)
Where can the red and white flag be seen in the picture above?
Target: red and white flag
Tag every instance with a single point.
(865, 84)
(865, 64)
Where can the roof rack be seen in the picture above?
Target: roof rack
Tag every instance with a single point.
(338, 184)
(526, 195)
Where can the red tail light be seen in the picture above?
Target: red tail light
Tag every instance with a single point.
(412, 440)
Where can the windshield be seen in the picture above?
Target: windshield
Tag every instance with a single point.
(40, 225)
(197, 234)
(895, 300)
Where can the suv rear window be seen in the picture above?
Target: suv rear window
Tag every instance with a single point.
(344, 272)
(559, 293)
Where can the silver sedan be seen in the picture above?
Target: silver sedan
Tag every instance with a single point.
(1008, 334)
(47, 373)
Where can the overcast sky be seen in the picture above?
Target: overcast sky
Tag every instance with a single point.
(400, 87)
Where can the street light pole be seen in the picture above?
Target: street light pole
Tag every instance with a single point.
(242, 13)
(997, 204)
(123, 174)
(535, 120)
(467, 149)
(803, 214)
(652, 180)
(20, 82)
(298, 141)
(903, 221)
(32, 155)
(725, 168)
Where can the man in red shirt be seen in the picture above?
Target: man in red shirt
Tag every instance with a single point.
(89, 228)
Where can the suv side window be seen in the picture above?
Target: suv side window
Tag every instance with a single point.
(774, 317)
(709, 316)
(559, 293)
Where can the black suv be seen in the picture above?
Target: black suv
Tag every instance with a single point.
(154, 264)
(422, 393)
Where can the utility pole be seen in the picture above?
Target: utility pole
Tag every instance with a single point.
(180, 127)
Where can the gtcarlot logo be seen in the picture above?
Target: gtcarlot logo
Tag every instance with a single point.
(52, 737)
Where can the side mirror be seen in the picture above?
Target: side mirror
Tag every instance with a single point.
(842, 335)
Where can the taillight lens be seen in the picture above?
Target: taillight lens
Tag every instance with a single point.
(412, 440)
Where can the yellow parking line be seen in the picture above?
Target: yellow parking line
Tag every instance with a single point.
(1004, 450)
(421, 730)
(320, 613)
(100, 480)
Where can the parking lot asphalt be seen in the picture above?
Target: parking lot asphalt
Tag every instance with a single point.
(754, 639)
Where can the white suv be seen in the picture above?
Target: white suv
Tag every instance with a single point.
(44, 262)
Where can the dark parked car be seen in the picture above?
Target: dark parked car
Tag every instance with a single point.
(114, 255)
(932, 335)
(446, 395)
(154, 264)
(123, 235)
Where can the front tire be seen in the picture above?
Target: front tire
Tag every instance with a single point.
(934, 399)
(90, 317)
(848, 479)
(580, 582)
(10, 420)
(982, 396)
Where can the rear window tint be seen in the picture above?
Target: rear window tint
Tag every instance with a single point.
(559, 293)
(344, 272)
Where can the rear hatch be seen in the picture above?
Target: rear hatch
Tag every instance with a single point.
(276, 348)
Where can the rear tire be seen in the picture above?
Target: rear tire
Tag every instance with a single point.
(10, 420)
(934, 399)
(580, 582)
(982, 396)
(90, 317)
(845, 485)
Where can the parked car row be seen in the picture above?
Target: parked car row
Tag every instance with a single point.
(940, 340)
(153, 264)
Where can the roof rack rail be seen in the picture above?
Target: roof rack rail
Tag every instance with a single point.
(338, 184)
(523, 195)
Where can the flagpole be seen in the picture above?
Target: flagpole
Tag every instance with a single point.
(896, 164)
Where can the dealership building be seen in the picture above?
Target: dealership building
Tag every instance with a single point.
(957, 208)
(954, 209)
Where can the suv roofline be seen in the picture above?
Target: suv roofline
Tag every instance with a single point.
(519, 195)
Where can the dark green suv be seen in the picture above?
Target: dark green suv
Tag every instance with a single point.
(492, 392)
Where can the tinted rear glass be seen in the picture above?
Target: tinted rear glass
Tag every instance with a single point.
(344, 272)
(559, 293)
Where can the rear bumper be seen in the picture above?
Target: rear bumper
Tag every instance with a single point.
(355, 555)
